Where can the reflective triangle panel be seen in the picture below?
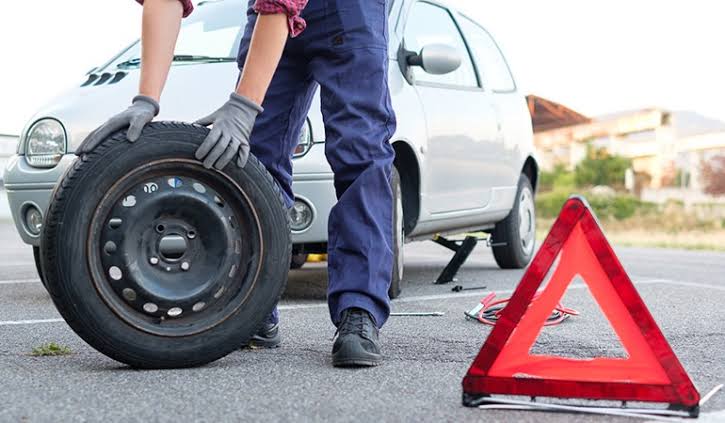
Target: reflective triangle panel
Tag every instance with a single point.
(650, 372)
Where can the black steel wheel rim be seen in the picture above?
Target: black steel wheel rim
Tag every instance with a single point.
(174, 249)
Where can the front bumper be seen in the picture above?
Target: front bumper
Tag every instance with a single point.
(27, 186)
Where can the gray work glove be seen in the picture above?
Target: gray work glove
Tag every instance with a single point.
(229, 136)
(143, 109)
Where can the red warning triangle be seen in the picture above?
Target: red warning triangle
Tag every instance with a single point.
(651, 371)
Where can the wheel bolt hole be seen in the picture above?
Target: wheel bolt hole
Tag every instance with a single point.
(219, 201)
(129, 294)
(160, 228)
(115, 273)
(110, 247)
(191, 234)
(150, 308)
(199, 188)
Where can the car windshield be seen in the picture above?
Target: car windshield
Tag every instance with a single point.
(211, 34)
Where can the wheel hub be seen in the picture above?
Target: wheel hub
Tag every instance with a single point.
(172, 247)
(168, 252)
(527, 221)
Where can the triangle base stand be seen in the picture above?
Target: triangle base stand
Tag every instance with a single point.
(673, 413)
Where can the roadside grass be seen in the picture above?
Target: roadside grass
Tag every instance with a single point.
(637, 237)
(625, 218)
(637, 233)
(50, 350)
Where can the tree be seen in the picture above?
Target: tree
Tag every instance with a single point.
(713, 175)
(601, 168)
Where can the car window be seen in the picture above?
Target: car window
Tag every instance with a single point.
(213, 30)
(490, 62)
(431, 24)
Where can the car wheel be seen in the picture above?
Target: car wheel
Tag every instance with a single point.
(398, 237)
(514, 238)
(298, 260)
(158, 262)
(36, 256)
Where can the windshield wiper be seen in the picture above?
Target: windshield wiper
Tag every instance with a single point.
(196, 58)
(135, 62)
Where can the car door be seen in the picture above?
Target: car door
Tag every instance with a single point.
(499, 85)
(461, 123)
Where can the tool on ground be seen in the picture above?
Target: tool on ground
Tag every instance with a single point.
(421, 314)
(459, 288)
(489, 310)
(650, 373)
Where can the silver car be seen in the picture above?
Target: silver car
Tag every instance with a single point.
(464, 144)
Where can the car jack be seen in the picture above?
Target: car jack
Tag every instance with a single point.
(462, 250)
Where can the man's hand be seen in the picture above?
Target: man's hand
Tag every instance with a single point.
(141, 112)
(229, 136)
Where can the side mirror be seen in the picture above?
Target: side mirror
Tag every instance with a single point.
(436, 59)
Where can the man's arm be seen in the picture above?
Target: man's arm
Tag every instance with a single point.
(277, 20)
(268, 41)
(160, 29)
(233, 122)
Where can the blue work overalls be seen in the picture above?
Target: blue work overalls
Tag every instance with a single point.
(344, 51)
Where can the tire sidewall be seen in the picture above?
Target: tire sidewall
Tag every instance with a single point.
(398, 237)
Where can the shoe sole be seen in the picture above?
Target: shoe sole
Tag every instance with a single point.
(356, 363)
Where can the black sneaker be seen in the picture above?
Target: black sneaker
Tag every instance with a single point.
(267, 337)
(356, 342)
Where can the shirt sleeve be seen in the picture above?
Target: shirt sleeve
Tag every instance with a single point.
(291, 8)
(188, 6)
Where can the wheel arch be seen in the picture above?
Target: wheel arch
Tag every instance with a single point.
(531, 170)
(408, 168)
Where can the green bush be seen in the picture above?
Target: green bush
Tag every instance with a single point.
(619, 207)
(558, 179)
(549, 204)
(601, 168)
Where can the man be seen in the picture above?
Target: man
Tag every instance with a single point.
(288, 49)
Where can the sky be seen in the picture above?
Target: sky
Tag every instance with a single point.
(594, 56)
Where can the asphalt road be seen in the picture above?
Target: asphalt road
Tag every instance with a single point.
(426, 357)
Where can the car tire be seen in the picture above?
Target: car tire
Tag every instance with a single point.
(38, 268)
(298, 260)
(513, 239)
(398, 237)
(246, 274)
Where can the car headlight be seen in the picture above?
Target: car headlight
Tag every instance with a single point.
(305, 141)
(45, 143)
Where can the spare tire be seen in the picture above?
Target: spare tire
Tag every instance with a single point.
(158, 262)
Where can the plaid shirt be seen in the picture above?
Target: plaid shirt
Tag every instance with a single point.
(291, 8)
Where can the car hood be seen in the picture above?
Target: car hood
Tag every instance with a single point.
(192, 91)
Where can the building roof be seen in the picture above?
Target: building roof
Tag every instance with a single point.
(547, 115)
